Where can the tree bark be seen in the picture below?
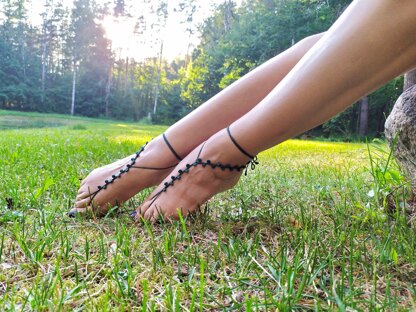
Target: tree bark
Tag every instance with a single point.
(409, 79)
(159, 72)
(227, 16)
(74, 82)
(363, 130)
(108, 91)
(44, 50)
(126, 77)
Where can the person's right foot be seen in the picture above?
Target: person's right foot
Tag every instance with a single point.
(155, 155)
(210, 169)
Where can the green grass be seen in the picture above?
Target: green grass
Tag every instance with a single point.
(317, 226)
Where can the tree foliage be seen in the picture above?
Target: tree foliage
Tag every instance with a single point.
(42, 67)
(260, 29)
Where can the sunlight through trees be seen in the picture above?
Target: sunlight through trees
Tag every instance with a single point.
(113, 59)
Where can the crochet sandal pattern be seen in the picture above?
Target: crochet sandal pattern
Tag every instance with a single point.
(131, 165)
(252, 163)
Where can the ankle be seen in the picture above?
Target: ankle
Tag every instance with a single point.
(158, 153)
(220, 147)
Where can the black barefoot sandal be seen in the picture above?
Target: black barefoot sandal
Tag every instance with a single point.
(72, 213)
(199, 162)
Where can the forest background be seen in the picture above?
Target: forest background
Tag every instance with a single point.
(66, 63)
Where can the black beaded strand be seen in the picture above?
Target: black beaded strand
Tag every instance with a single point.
(199, 162)
(114, 177)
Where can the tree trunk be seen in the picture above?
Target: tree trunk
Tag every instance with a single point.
(126, 77)
(158, 79)
(409, 79)
(363, 130)
(227, 16)
(44, 50)
(187, 56)
(74, 81)
(108, 91)
(119, 72)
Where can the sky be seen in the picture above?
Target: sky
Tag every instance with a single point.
(120, 31)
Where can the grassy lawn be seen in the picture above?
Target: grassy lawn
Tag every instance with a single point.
(317, 226)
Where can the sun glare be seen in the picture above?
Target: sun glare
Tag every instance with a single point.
(120, 32)
(125, 43)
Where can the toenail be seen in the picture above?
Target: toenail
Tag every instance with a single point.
(72, 213)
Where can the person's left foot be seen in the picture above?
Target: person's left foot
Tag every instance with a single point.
(194, 181)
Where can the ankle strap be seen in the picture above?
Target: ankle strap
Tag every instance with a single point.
(171, 148)
(253, 162)
(238, 145)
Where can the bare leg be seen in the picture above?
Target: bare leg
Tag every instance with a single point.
(238, 99)
(186, 134)
(372, 42)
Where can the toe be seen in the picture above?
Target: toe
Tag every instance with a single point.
(81, 195)
(141, 210)
(76, 211)
(154, 217)
(73, 213)
(146, 205)
(83, 203)
(84, 181)
(149, 213)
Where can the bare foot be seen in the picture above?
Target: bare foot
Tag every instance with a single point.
(198, 181)
(124, 182)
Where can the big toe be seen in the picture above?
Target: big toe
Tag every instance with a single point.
(77, 210)
(142, 210)
(147, 211)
